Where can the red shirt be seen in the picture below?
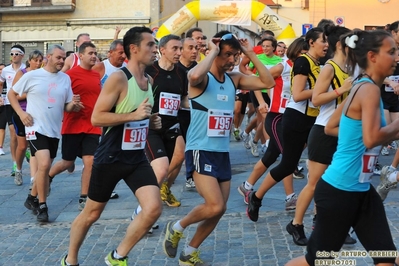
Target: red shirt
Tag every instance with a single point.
(87, 84)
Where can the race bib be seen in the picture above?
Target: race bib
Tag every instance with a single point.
(169, 103)
(285, 96)
(369, 161)
(135, 135)
(393, 78)
(219, 123)
(30, 134)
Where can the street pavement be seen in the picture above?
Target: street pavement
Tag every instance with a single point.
(236, 240)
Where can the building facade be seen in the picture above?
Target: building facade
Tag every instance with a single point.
(36, 24)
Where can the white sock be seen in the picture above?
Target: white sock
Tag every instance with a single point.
(117, 256)
(244, 134)
(392, 177)
(138, 210)
(391, 166)
(18, 170)
(248, 185)
(189, 250)
(235, 129)
(177, 227)
(32, 178)
(289, 196)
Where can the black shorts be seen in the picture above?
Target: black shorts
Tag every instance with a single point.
(44, 143)
(18, 125)
(392, 108)
(78, 145)
(255, 101)
(104, 178)
(9, 112)
(3, 117)
(338, 211)
(321, 147)
(160, 144)
(243, 98)
(216, 164)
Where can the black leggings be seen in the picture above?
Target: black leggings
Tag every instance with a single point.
(274, 128)
(338, 211)
(296, 128)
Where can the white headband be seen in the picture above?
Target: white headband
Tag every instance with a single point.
(17, 50)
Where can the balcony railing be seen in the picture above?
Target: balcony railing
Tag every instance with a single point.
(34, 6)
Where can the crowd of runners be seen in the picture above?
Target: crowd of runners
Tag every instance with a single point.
(152, 105)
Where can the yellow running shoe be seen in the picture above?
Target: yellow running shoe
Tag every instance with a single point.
(171, 200)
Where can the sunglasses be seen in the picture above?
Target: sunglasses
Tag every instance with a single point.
(228, 36)
(16, 54)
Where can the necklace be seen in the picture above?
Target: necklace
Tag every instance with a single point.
(313, 58)
(367, 75)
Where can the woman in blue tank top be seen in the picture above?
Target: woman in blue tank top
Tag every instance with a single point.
(344, 197)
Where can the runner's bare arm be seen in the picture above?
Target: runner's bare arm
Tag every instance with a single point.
(114, 91)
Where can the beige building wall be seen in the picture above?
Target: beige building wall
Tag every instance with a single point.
(355, 13)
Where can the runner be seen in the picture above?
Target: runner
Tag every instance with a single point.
(34, 61)
(298, 118)
(344, 196)
(79, 137)
(7, 75)
(43, 118)
(123, 107)
(212, 94)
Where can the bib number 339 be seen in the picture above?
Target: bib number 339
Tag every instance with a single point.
(169, 103)
(135, 135)
(219, 123)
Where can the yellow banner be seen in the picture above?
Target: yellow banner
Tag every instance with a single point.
(226, 12)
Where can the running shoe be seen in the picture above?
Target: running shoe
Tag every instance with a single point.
(192, 259)
(298, 234)
(290, 204)
(27, 155)
(243, 191)
(236, 134)
(245, 139)
(32, 203)
(385, 151)
(111, 261)
(14, 168)
(190, 183)
(42, 215)
(18, 178)
(171, 241)
(254, 148)
(385, 186)
(64, 263)
(82, 203)
(253, 207)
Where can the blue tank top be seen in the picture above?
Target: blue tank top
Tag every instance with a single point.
(212, 116)
(353, 164)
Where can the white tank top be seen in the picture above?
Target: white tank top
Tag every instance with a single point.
(109, 69)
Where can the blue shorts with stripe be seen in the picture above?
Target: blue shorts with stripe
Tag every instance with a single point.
(216, 164)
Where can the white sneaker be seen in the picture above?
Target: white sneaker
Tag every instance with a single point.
(18, 178)
(254, 148)
(263, 148)
(385, 185)
(384, 151)
(245, 140)
(190, 183)
(2, 151)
